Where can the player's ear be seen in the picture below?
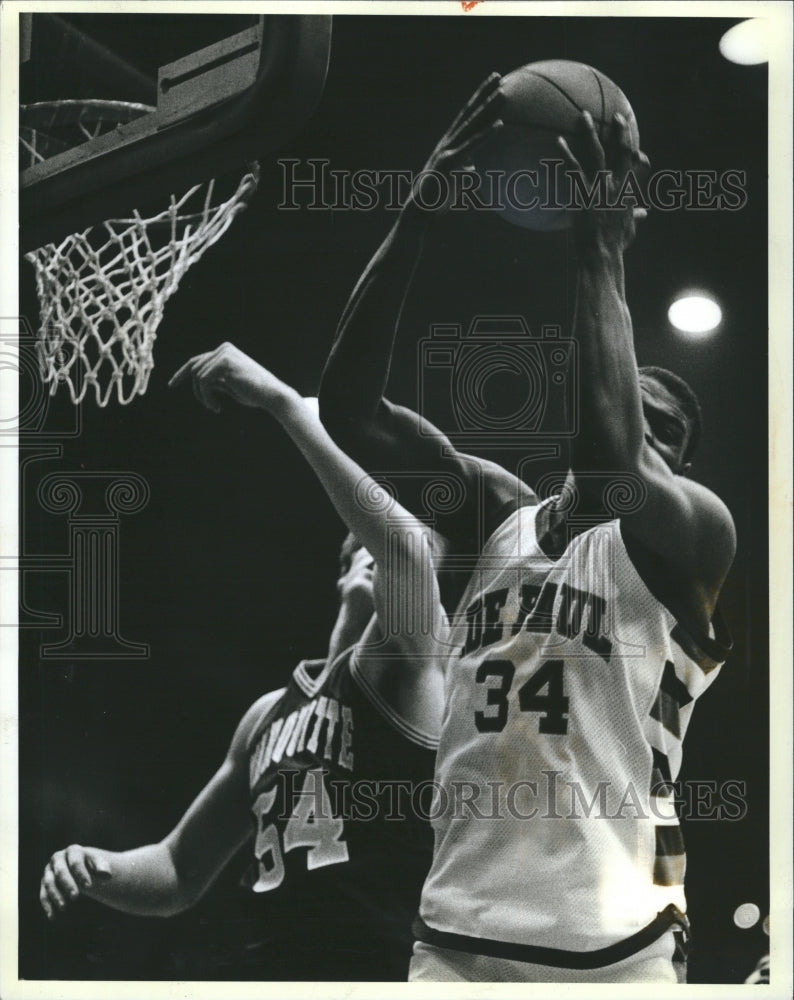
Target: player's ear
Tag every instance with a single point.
(685, 468)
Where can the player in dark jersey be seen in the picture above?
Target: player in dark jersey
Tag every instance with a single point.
(547, 907)
(326, 767)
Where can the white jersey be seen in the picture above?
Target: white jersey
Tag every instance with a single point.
(569, 691)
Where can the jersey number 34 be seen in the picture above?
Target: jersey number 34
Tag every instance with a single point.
(542, 692)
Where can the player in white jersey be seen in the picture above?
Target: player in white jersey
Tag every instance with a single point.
(578, 650)
(367, 715)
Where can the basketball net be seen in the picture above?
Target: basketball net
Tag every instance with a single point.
(102, 292)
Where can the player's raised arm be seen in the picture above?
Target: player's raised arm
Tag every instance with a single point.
(400, 544)
(162, 879)
(633, 422)
(354, 381)
(380, 436)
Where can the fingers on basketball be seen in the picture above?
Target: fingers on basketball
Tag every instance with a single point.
(488, 89)
(465, 148)
(587, 146)
(641, 166)
(620, 155)
(567, 153)
(478, 120)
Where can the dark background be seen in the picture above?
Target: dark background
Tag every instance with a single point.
(229, 571)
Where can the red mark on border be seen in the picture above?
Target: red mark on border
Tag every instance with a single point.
(467, 5)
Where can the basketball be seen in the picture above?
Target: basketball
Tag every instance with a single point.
(543, 100)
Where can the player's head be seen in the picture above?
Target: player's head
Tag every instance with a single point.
(356, 567)
(673, 420)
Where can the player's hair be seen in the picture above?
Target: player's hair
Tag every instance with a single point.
(350, 546)
(686, 399)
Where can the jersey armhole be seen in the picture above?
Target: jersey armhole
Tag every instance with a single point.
(404, 728)
(260, 709)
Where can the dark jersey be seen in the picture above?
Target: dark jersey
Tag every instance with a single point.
(338, 787)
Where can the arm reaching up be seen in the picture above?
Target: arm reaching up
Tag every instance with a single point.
(357, 371)
(360, 502)
(636, 421)
(406, 591)
(379, 435)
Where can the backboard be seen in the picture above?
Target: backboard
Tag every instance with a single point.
(213, 92)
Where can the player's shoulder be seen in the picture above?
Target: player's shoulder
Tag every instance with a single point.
(262, 705)
(503, 493)
(687, 578)
(713, 508)
(716, 531)
(495, 477)
(686, 523)
(248, 724)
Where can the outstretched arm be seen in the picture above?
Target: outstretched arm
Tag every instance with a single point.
(163, 879)
(400, 544)
(680, 520)
(381, 436)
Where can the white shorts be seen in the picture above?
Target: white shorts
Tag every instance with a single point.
(653, 964)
